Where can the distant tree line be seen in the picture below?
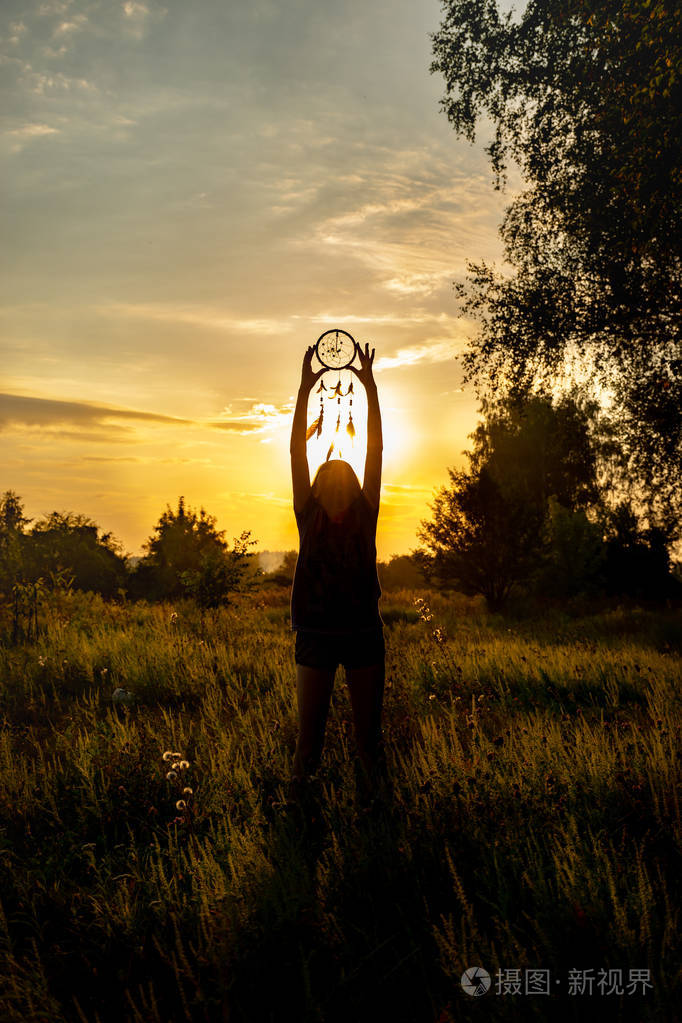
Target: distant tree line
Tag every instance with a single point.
(186, 556)
(402, 571)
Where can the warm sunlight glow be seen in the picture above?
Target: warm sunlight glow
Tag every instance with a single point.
(395, 428)
(335, 423)
(153, 349)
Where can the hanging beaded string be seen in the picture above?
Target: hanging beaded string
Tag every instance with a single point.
(350, 429)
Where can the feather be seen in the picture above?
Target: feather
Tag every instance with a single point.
(331, 448)
(321, 387)
(312, 428)
(350, 429)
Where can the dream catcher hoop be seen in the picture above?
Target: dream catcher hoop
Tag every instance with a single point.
(335, 350)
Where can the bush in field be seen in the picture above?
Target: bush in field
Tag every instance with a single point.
(219, 574)
(188, 556)
(60, 545)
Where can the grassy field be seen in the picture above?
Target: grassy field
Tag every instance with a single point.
(534, 821)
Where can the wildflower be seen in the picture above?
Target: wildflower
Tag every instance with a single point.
(171, 776)
(168, 755)
(181, 805)
(183, 765)
(188, 791)
(41, 662)
(175, 766)
(173, 617)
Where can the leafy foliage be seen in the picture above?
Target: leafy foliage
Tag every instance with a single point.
(62, 549)
(219, 574)
(187, 555)
(586, 97)
(480, 537)
(488, 531)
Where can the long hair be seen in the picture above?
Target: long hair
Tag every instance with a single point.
(336, 479)
(337, 482)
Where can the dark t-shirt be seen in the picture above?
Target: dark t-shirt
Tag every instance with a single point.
(336, 586)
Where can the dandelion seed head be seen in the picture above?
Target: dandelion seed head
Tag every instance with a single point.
(181, 805)
(168, 755)
(171, 776)
(188, 791)
(184, 764)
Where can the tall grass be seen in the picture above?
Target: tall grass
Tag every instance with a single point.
(534, 819)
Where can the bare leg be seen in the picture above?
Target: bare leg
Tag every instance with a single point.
(314, 690)
(366, 687)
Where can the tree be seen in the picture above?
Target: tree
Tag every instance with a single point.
(480, 538)
(12, 518)
(490, 528)
(65, 544)
(585, 97)
(12, 525)
(188, 556)
(541, 448)
(637, 561)
(60, 546)
(575, 554)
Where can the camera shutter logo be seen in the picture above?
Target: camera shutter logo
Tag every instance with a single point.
(475, 981)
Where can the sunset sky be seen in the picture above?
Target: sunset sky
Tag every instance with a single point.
(193, 192)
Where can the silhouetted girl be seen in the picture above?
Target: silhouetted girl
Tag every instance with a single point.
(335, 595)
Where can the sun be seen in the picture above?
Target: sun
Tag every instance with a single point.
(335, 440)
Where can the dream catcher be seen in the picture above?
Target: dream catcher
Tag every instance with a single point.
(335, 350)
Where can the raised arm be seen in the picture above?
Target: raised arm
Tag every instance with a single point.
(300, 475)
(371, 486)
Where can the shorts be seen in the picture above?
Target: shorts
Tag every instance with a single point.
(326, 650)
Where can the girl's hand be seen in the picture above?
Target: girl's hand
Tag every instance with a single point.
(308, 376)
(364, 374)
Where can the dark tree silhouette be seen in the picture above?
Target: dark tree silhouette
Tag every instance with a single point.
(12, 518)
(188, 556)
(65, 545)
(585, 97)
(494, 526)
(479, 538)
